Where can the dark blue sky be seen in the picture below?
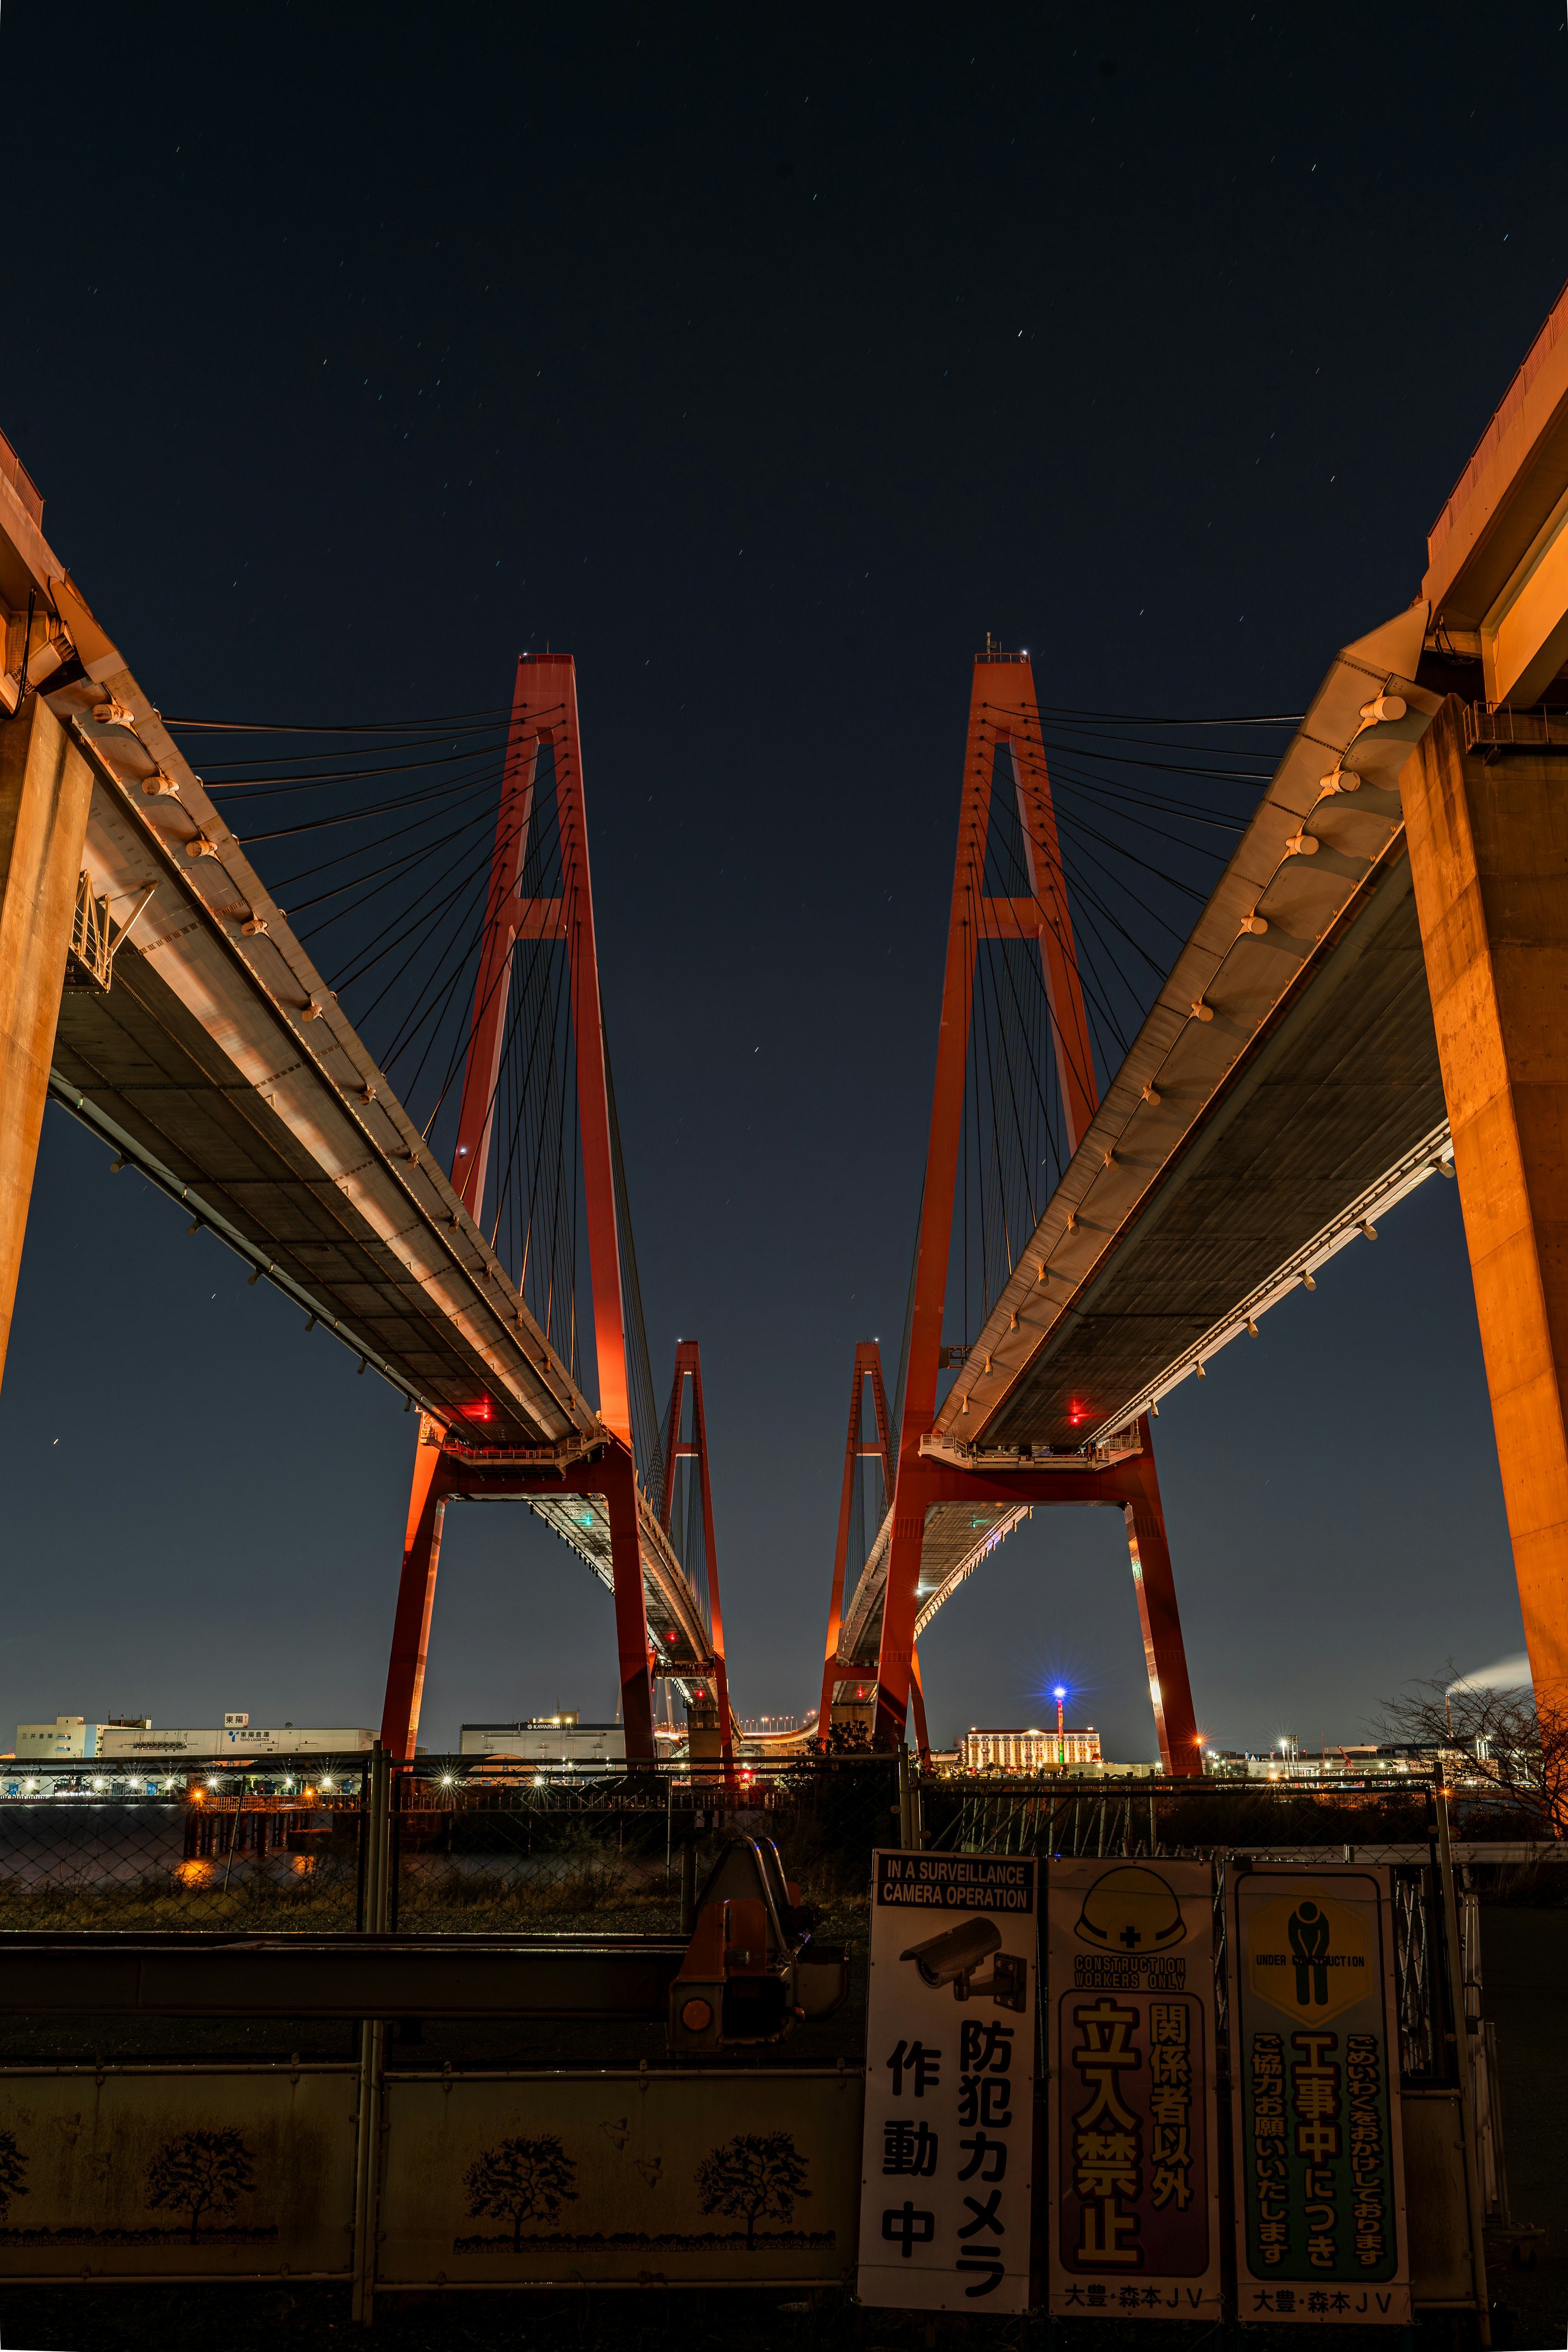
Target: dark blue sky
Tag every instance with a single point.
(765, 367)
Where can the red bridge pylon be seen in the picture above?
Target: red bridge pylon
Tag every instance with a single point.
(1005, 753)
(544, 715)
(694, 1449)
(859, 1446)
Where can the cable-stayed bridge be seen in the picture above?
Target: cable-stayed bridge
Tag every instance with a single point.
(1370, 995)
(1217, 994)
(189, 1028)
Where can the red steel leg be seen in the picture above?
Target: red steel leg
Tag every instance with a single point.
(620, 1492)
(1170, 1691)
(416, 1596)
(917, 1700)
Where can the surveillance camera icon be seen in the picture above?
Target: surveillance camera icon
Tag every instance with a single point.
(954, 1957)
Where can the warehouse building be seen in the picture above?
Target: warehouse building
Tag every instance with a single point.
(138, 1740)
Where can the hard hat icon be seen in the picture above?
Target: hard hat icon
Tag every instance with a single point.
(1130, 1910)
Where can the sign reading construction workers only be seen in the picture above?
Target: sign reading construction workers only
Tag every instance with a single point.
(1320, 2167)
(950, 2079)
(1135, 2227)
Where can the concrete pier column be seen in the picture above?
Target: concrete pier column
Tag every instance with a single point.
(46, 786)
(1488, 857)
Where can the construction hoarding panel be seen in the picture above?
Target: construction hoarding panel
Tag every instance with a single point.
(1134, 2218)
(733, 2176)
(1320, 2166)
(948, 2160)
(189, 2173)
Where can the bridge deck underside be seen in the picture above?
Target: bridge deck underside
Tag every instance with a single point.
(142, 1057)
(1345, 1088)
(957, 1537)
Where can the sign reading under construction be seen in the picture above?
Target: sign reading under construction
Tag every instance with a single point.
(1135, 2227)
(1319, 2168)
(947, 2158)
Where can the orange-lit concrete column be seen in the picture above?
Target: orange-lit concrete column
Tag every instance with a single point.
(1488, 857)
(45, 788)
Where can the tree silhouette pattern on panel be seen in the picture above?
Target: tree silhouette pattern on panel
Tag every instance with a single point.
(200, 2172)
(520, 2180)
(13, 2172)
(755, 2177)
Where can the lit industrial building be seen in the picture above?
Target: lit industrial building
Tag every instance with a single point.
(138, 1740)
(547, 1739)
(1026, 1751)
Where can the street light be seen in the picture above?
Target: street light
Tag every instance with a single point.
(1059, 1695)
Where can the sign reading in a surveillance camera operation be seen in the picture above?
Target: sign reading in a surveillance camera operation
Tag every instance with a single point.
(947, 2163)
(1134, 2208)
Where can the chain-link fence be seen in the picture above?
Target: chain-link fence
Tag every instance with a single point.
(479, 1846)
(476, 1847)
(207, 1848)
(499, 1851)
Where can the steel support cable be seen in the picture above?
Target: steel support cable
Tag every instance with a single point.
(481, 1010)
(991, 1088)
(415, 920)
(1040, 1086)
(1162, 767)
(645, 1405)
(502, 978)
(551, 1138)
(576, 1186)
(980, 1031)
(384, 877)
(480, 863)
(1129, 719)
(549, 1063)
(365, 727)
(1090, 986)
(1195, 848)
(1017, 1149)
(427, 796)
(896, 1427)
(1088, 905)
(1081, 824)
(1180, 937)
(460, 754)
(977, 983)
(403, 1044)
(539, 996)
(1087, 981)
(1066, 727)
(369, 848)
(421, 921)
(1113, 801)
(510, 1008)
(544, 1002)
(1069, 1045)
(1072, 826)
(1035, 1038)
(1061, 765)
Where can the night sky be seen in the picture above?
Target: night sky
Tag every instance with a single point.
(764, 361)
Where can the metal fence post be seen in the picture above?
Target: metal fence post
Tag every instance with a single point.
(377, 1823)
(1455, 1973)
